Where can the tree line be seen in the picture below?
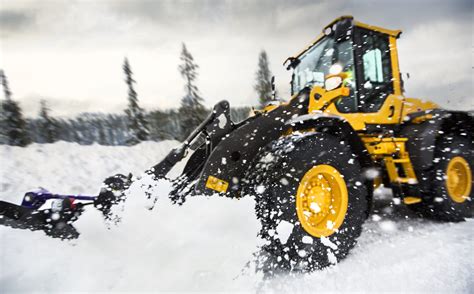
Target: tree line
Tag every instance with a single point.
(134, 125)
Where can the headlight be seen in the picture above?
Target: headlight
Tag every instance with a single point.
(332, 83)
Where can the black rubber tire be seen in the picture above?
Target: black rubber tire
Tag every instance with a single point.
(436, 202)
(291, 157)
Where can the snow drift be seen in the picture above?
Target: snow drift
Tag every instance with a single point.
(208, 244)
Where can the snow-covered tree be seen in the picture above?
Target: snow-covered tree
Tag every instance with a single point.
(137, 123)
(13, 126)
(102, 140)
(192, 112)
(48, 129)
(5, 85)
(263, 84)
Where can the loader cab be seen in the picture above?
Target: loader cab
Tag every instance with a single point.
(367, 56)
(374, 70)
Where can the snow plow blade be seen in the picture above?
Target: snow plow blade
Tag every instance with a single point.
(54, 224)
(55, 213)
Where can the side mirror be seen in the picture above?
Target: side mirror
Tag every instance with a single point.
(273, 88)
(291, 62)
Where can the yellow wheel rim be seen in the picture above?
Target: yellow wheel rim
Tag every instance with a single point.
(321, 200)
(458, 179)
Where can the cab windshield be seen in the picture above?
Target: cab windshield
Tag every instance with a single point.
(319, 61)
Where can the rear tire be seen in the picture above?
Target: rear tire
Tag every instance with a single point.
(448, 186)
(292, 242)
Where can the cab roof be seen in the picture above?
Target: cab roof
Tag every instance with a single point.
(393, 33)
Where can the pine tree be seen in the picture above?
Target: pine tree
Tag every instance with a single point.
(13, 124)
(48, 128)
(192, 112)
(137, 123)
(263, 84)
(5, 85)
(102, 139)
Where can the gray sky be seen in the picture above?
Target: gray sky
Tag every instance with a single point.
(71, 52)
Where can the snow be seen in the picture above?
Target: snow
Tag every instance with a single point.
(371, 173)
(388, 226)
(315, 207)
(222, 121)
(209, 243)
(307, 240)
(284, 181)
(260, 189)
(284, 230)
(327, 242)
(376, 217)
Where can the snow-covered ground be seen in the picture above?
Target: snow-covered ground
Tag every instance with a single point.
(208, 244)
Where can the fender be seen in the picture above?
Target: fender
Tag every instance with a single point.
(336, 126)
(422, 137)
(229, 161)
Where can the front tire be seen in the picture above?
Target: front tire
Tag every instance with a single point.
(311, 200)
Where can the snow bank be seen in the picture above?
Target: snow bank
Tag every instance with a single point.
(205, 244)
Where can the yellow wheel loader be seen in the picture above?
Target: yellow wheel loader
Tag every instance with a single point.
(313, 162)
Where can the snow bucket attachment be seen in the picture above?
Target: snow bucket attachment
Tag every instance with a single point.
(55, 213)
(56, 220)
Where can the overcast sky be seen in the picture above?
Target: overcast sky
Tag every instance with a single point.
(71, 52)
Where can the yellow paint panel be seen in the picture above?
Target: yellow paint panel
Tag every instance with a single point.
(384, 146)
(377, 182)
(269, 107)
(389, 113)
(397, 89)
(411, 200)
(326, 97)
(217, 184)
(411, 105)
(420, 119)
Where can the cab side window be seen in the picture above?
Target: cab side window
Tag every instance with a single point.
(373, 72)
(375, 82)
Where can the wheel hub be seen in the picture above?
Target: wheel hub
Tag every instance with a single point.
(458, 179)
(321, 200)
